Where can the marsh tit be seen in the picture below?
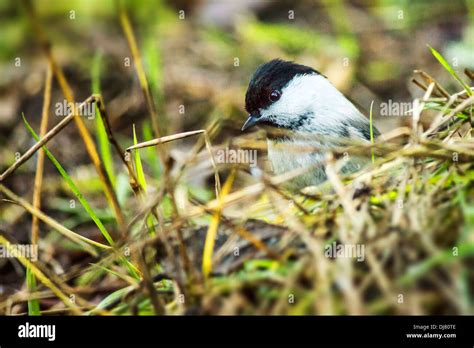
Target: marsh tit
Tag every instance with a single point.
(306, 111)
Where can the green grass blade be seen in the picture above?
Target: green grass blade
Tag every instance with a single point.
(372, 130)
(141, 178)
(138, 163)
(418, 270)
(154, 66)
(33, 305)
(102, 138)
(116, 296)
(151, 155)
(448, 67)
(72, 186)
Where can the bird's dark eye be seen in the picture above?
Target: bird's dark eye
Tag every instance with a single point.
(275, 95)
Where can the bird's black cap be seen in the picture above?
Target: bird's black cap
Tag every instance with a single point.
(268, 77)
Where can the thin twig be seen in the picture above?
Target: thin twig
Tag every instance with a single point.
(428, 79)
(105, 118)
(44, 140)
(164, 139)
(83, 241)
(132, 43)
(40, 162)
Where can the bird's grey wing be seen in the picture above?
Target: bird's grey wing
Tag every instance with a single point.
(359, 126)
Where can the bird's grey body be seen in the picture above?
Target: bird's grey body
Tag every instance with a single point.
(314, 114)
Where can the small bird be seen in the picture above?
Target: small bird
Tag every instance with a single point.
(306, 111)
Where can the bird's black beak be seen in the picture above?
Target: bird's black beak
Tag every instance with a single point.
(251, 121)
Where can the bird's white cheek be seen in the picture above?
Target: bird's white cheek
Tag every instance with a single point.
(285, 108)
(293, 104)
